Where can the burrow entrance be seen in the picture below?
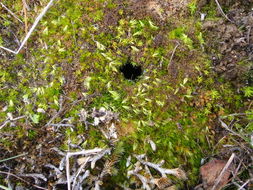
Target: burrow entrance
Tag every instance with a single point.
(131, 71)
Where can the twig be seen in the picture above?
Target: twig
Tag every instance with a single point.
(57, 114)
(224, 125)
(31, 30)
(172, 55)
(7, 173)
(163, 171)
(223, 171)
(25, 15)
(222, 12)
(248, 34)
(83, 152)
(142, 179)
(236, 114)
(35, 176)
(11, 12)
(13, 157)
(10, 120)
(242, 187)
(79, 171)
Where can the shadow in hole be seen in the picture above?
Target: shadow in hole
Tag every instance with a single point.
(130, 71)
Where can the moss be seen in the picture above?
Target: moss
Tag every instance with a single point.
(75, 59)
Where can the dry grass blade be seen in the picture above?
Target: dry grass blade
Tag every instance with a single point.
(13, 157)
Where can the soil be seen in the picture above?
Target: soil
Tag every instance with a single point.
(229, 45)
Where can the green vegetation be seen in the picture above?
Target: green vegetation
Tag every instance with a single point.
(72, 63)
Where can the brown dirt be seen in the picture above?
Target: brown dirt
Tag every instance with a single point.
(159, 10)
(230, 43)
(126, 129)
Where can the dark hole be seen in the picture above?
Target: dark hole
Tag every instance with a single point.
(130, 71)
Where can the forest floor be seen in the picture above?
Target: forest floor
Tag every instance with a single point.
(116, 94)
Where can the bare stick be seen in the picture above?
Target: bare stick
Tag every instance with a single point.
(7, 173)
(223, 171)
(11, 12)
(10, 120)
(248, 34)
(224, 125)
(172, 55)
(242, 187)
(57, 114)
(35, 24)
(7, 49)
(222, 12)
(236, 114)
(31, 30)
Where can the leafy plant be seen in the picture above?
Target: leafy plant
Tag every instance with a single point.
(248, 91)
(192, 7)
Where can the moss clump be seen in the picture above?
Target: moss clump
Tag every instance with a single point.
(76, 65)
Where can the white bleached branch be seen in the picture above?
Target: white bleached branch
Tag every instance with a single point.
(31, 30)
(6, 8)
(148, 180)
(92, 156)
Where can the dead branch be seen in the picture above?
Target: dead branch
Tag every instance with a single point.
(172, 55)
(224, 125)
(7, 173)
(163, 171)
(93, 154)
(10, 120)
(31, 30)
(223, 171)
(25, 15)
(222, 12)
(11, 13)
(242, 187)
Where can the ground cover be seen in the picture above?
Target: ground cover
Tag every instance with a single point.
(136, 82)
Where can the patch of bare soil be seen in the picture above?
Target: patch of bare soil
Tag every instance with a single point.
(230, 43)
(159, 10)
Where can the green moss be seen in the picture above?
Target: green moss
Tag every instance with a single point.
(74, 59)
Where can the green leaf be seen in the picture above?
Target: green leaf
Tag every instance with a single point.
(35, 118)
(87, 82)
(126, 107)
(187, 41)
(135, 49)
(152, 25)
(5, 188)
(11, 103)
(137, 33)
(115, 95)
(100, 46)
(248, 92)
(200, 38)
(45, 31)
